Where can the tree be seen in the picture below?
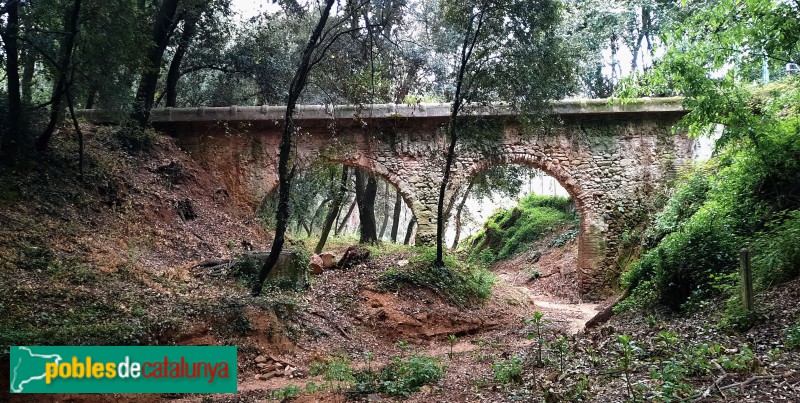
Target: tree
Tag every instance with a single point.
(398, 207)
(314, 51)
(163, 26)
(11, 141)
(366, 191)
(62, 69)
(502, 46)
(333, 212)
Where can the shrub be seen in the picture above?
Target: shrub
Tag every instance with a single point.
(460, 283)
(404, 376)
(793, 335)
(749, 194)
(135, 139)
(508, 371)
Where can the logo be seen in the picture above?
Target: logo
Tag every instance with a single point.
(114, 369)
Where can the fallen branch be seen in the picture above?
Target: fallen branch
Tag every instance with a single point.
(606, 314)
(333, 323)
(741, 385)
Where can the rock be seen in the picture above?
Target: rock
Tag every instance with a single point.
(328, 260)
(261, 359)
(374, 398)
(268, 375)
(402, 263)
(317, 264)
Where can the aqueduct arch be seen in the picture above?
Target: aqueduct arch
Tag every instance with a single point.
(613, 159)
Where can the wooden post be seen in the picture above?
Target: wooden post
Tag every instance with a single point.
(747, 279)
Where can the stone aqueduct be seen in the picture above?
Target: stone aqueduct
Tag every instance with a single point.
(613, 159)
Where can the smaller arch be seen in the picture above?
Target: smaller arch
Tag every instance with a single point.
(589, 242)
(371, 166)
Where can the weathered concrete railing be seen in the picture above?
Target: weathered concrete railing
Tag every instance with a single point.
(388, 111)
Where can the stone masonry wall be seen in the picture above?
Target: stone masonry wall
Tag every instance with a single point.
(612, 166)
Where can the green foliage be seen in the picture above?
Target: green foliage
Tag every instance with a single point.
(752, 191)
(627, 350)
(744, 196)
(289, 392)
(736, 318)
(508, 232)
(336, 371)
(460, 283)
(135, 139)
(793, 336)
(508, 371)
(404, 376)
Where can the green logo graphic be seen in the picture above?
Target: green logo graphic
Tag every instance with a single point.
(114, 369)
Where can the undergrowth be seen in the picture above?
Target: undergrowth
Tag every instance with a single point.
(747, 196)
(460, 283)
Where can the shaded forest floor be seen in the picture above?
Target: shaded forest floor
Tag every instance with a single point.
(113, 260)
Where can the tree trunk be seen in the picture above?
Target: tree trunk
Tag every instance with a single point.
(10, 142)
(60, 87)
(398, 207)
(410, 230)
(470, 38)
(330, 219)
(385, 210)
(28, 69)
(296, 87)
(161, 31)
(458, 215)
(78, 132)
(365, 196)
(174, 73)
(343, 223)
(316, 215)
(90, 99)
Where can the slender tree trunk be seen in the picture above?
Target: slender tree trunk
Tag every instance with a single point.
(68, 44)
(343, 223)
(458, 215)
(78, 132)
(470, 38)
(161, 31)
(385, 210)
(365, 196)
(174, 73)
(90, 99)
(296, 87)
(10, 143)
(410, 230)
(28, 69)
(316, 215)
(398, 207)
(336, 206)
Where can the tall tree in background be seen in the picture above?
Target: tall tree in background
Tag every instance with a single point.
(366, 191)
(163, 26)
(10, 141)
(398, 207)
(60, 88)
(333, 212)
(506, 50)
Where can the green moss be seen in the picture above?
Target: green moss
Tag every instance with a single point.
(508, 232)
